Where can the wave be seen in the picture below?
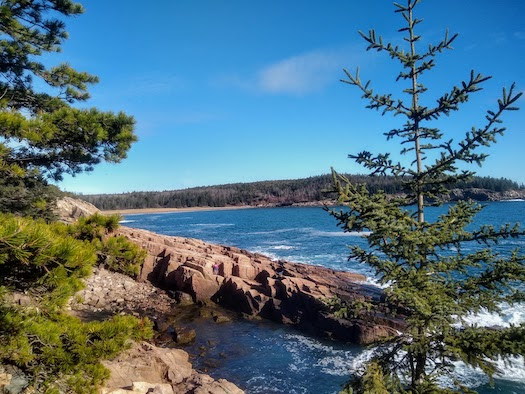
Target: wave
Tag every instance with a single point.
(375, 282)
(509, 369)
(510, 315)
(126, 221)
(331, 361)
(282, 247)
(265, 252)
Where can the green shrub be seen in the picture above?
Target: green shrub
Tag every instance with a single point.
(35, 257)
(121, 255)
(62, 352)
(94, 227)
(116, 253)
(46, 262)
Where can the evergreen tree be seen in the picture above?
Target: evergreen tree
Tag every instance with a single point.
(42, 136)
(432, 276)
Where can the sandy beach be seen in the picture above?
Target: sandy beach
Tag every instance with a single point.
(167, 210)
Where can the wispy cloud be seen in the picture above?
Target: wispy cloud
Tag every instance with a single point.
(520, 35)
(298, 74)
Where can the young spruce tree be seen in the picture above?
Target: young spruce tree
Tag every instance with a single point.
(431, 276)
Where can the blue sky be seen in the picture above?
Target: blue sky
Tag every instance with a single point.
(238, 91)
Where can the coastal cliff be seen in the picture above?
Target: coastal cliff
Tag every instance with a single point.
(255, 285)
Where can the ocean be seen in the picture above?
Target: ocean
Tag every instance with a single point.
(263, 357)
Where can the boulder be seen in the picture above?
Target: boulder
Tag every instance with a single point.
(184, 336)
(148, 363)
(69, 209)
(145, 368)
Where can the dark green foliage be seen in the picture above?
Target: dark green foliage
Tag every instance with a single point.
(47, 262)
(437, 272)
(62, 352)
(28, 195)
(42, 135)
(94, 227)
(121, 255)
(348, 309)
(116, 253)
(36, 257)
(283, 192)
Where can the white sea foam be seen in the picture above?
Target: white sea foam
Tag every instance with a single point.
(126, 221)
(510, 314)
(338, 365)
(511, 369)
(264, 251)
(331, 361)
(375, 282)
(358, 362)
(282, 247)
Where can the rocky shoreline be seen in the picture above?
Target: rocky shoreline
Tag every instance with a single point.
(256, 286)
(184, 276)
(145, 368)
(475, 194)
(177, 282)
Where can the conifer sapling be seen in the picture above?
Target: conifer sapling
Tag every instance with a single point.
(430, 272)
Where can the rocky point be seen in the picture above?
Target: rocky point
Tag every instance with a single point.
(255, 285)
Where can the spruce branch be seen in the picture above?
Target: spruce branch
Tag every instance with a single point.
(377, 101)
(476, 138)
(450, 101)
(380, 164)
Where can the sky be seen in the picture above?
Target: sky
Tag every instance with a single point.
(240, 91)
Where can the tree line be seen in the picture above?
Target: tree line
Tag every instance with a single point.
(277, 192)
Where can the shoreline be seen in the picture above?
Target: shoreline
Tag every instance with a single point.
(319, 204)
(138, 211)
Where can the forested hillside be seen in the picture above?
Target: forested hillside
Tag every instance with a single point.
(280, 192)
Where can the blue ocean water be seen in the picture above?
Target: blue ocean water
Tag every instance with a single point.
(262, 357)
